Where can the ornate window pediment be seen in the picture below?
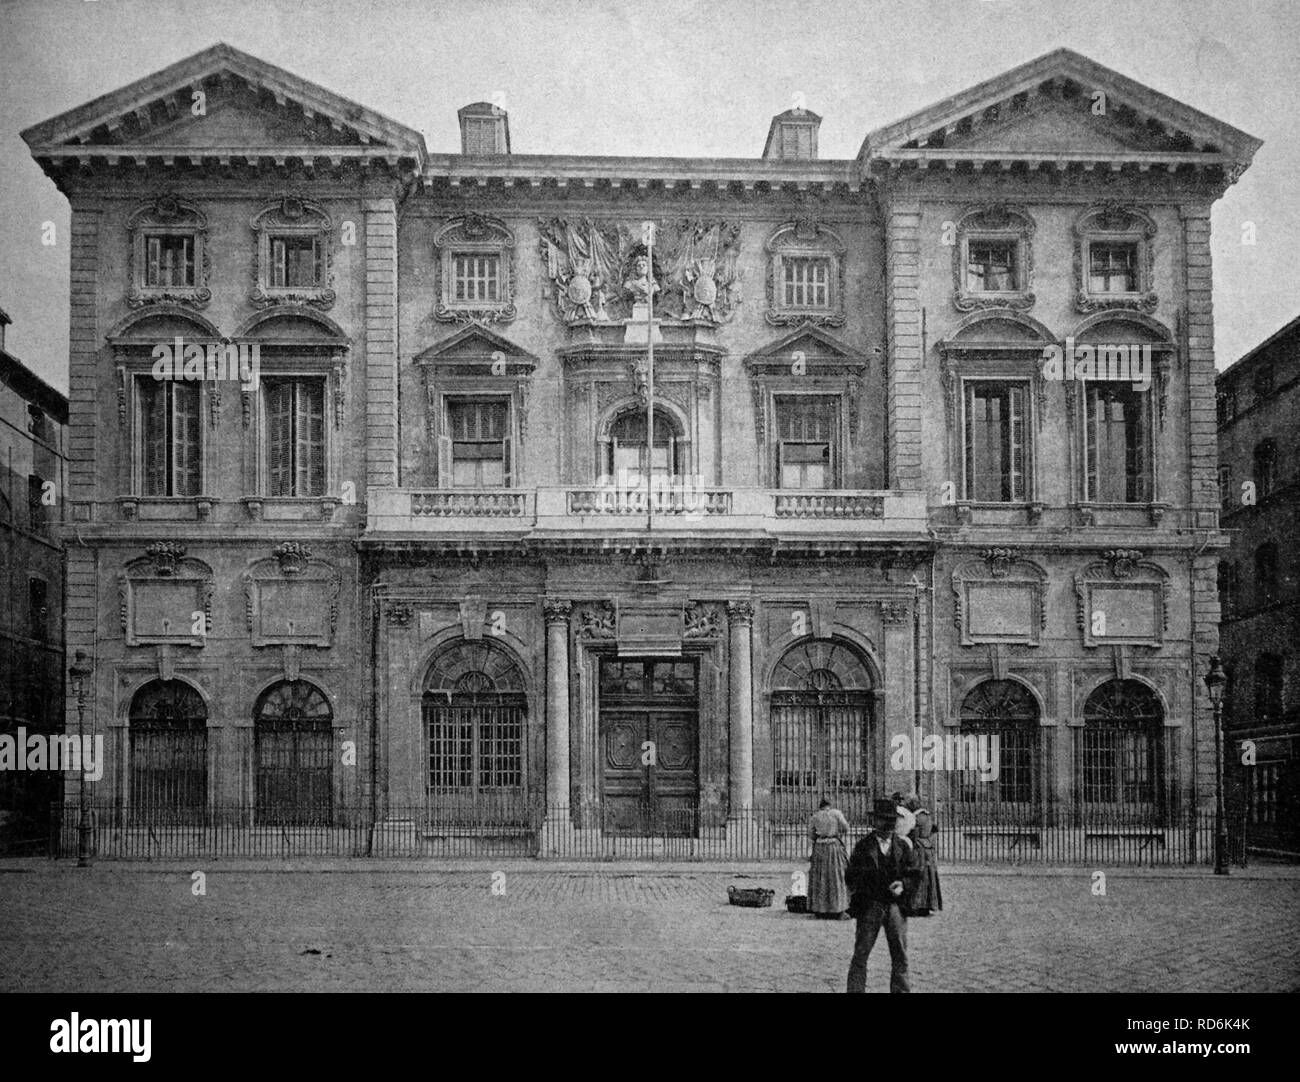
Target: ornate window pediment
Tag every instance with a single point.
(1123, 598)
(1000, 598)
(165, 597)
(807, 361)
(806, 276)
(476, 386)
(291, 598)
(474, 271)
(293, 257)
(993, 260)
(169, 261)
(1114, 259)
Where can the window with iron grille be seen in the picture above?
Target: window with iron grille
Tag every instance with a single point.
(1263, 792)
(1007, 710)
(807, 428)
(1113, 267)
(807, 282)
(170, 437)
(1269, 687)
(296, 260)
(997, 441)
(1122, 757)
(169, 260)
(169, 753)
(476, 278)
(1116, 444)
(295, 437)
(1265, 468)
(992, 266)
(477, 442)
(293, 755)
(821, 732)
(474, 724)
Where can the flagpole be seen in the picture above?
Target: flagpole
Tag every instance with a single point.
(648, 235)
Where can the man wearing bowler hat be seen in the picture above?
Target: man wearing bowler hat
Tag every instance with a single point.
(881, 874)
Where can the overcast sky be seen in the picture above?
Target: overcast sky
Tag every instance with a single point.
(667, 77)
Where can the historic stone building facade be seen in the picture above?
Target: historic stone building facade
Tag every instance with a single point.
(409, 568)
(1259, 585)
(33, 422)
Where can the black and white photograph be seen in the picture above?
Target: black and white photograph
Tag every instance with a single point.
(612, 497)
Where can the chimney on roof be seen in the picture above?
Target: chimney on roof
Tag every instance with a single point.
(793, 136)
(4, 322)
(484, 129)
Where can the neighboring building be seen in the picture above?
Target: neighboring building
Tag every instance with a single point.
(418, 544)
(1259, 585)
(33, 416)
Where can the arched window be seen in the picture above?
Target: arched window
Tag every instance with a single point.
(1268, 688)
(1266, 573)
(1007, 711)
(293, 755)
(821, 731)
(1123, 754)
(1265, 468)
(475, 713)
(169, 752)
(623, 451)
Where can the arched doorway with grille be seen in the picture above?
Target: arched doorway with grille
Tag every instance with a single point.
(475, 713)
(168, 727)
(293, 755)
(823, 731)
(1123, 755)
(1007, 710)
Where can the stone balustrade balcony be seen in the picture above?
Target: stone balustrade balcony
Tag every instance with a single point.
(617, 510)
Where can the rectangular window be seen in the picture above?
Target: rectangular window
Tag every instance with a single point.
(997, 441)
(991, 266)
(478, 431)
(807, 428)
(37, 608)
(796, 142)
(169, 260)
(806, 282)
(36, 517)
(295, 261)
(476, 278)
(1227, 497)
(169, 438)
(295, 437)
(1113, 267)
(1117, 458)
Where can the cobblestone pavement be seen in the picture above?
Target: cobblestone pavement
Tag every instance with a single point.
(139, 928)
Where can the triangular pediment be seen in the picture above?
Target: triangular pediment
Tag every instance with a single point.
(811, 341)
(1062, 105)
(476, 344)
(225, 99)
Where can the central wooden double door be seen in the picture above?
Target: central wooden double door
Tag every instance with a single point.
(649, 741)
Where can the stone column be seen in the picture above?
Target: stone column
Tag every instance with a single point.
(740, 617)
(557, 709)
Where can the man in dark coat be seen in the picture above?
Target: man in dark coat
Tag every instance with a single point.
(882, 873)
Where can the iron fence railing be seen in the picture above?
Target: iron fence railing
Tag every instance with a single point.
(523, 828)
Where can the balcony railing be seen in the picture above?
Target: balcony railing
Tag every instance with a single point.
(846, 513)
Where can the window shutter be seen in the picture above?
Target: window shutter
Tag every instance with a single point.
(191, 257)
(154, 246)
(444, 462)
(1018, 488)
(278, 262)
(153, 444)
(679, 460)
(1136, 437)
(318, 261)
(507, 465)
(185, 439)
(309, 438)
(969, 440)
(279, 438)
(1090, 437)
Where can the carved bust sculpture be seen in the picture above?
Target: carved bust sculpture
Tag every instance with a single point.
(641, 285)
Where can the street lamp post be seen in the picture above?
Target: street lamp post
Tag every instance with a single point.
(81, 671)
(1215, 680)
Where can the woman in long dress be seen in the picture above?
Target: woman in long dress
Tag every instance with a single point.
(926, 898)
(828, 896)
